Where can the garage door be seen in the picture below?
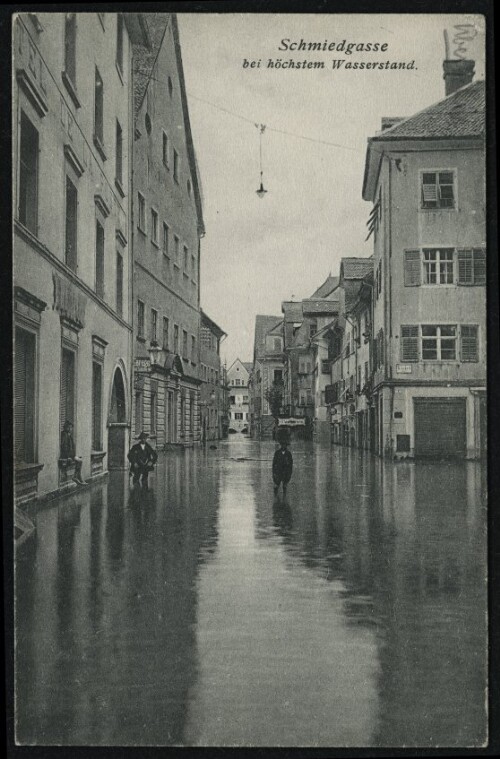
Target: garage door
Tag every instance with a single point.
(440, 427)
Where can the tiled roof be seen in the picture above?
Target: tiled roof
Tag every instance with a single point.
(326, 288)
(292, 311)
(263, 325)
(248, 366)
(461, 114)
(311, 306)
(356, 268)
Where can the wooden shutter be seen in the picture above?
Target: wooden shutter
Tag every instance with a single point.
(24, 396)
(479, 266)
(409, 343)
(413, 268)
(465, 267)
(67, 386)
(96, 406)
(469, 344)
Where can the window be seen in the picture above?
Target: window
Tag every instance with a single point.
(471, 266)
(99, 259)
(439, 342)
(277, 376)
(140, 318)
(170, 86)
(154, 324)
(165, 332)
(67, 400)
(184, 344)
(409, 343)
(438, 189)
(325, 367)
(119, 283)
(28, 175)
(142, 213)
(71, 224)
(379, 279)
(313, 328)
(96, 406)
(245, 399)
(176, 338)
(304, 366)
(24, 395)
(232, 399)
(238, 415)
(176, 166)
(165, 149)
(193, 266)
(119, 154)
(70, 47)
(186, 258)
(165, 239)
(98, 108)
(193, 349)
(119, 42)
(438, 266)
(154, 226)
(469, 344)
(176, 249)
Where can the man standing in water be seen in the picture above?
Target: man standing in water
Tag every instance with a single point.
(142, 459)
(282, 466)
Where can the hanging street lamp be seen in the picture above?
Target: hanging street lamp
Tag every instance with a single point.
(261, 191)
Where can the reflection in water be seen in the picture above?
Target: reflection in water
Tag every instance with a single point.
(204, 611)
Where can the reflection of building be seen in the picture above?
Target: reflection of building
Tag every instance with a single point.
(267, 371)
(425, 176)
(72, 174)
(212, 392)
(167, 226)
(238, 375)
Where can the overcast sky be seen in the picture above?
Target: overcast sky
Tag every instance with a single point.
(256, 252)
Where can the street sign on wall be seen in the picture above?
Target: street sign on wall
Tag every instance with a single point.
(403, 368)
(292, 422)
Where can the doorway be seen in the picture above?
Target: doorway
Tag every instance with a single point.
(117, 425)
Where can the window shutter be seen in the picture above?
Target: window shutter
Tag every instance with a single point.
(479, 266)
(24, 396)
(409, 343)
(469, 347)
(465, 269)
(96, 406)
(429, 193)
(67, 386)
(412, 268)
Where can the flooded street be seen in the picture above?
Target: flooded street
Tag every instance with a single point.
(206, 612)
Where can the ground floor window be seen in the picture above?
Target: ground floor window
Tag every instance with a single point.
(24, 396)
(96, 406)
(68, 377)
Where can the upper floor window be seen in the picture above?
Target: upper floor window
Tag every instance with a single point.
(154, 226)
(439, 342)
(165, 149)
(119, 154)
(184, 344)
(71, 224)
(186, 258)
(98, 108)
(154, 324)
(445, 266)
(141, 222)
(119, 283)
(165, 331)
(140, 318)
(176, 338)
(176, 249)
(438, 189)
(165, 245)
(28, 175)
(70, 46)
(119, 42)
(176, 165)
(313, 328)
(99, 260)
(193, 349)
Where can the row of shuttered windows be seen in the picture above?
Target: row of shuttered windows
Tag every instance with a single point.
(445, 266)
(187, 402)
(446, 342)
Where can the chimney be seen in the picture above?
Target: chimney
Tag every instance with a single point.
(389, 121)
(457, 73)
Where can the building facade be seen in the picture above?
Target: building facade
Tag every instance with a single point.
(267, 370)
(425, 176)
(167, 225)
(72, 117)
(212, 387)
(238, 376)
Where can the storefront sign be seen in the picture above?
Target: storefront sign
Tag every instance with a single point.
(291, 422)
(403, 368)
(142, 363)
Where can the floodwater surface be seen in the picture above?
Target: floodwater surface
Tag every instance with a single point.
(206, 612)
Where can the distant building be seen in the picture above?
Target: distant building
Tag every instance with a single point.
(167, 227)
(238, 376)
(212, 387)
(425, 176)
(72, 116)
(267, 370)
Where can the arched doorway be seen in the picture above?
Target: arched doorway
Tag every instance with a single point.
(117, 422)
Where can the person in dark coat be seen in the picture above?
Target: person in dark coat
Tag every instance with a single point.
(142, 459)
(282, 466)
(68, 452)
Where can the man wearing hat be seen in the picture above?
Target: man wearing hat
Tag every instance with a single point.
(142, 459)
(68, 452)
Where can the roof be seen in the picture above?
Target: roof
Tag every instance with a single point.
(461, 114)
(324, 306)
(212, 326)
(263, 325)
(292, 311)
(355, 268)
(248, 366)
(326, 288)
